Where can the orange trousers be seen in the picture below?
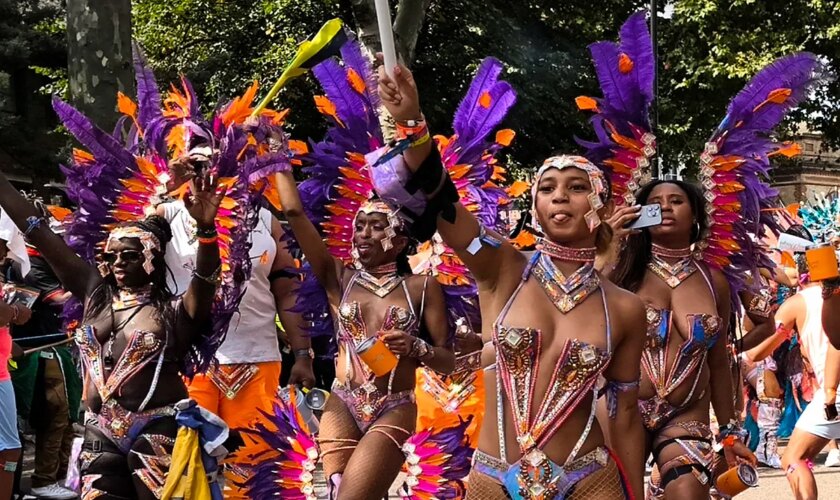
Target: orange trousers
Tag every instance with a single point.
(242, 411)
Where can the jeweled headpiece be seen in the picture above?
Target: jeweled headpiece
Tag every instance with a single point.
(597, 198)
(822, 217)
(150, 243)
(395, 223)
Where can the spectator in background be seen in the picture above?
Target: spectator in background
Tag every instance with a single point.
(47, 383)
(9, 314)
(17, 314)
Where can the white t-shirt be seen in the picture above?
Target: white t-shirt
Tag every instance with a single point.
(252, 335)
(813, 338)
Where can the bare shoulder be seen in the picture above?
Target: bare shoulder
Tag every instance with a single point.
(418, 282)
(719, 282)
(626, 304)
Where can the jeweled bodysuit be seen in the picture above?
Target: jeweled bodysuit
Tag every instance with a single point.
(574, 379)
(114, 434)
(668, 373)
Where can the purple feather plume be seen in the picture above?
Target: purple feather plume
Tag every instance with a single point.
(148, 95)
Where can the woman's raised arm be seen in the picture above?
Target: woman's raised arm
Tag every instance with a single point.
(324, 265)
(481, 251)
(77, 276)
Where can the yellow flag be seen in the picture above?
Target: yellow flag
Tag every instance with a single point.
(326, 43)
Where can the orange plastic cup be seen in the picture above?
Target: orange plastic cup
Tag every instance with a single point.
(377, 356)
(822, 263)
(737, 480)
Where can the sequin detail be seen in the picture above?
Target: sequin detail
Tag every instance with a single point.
(565, 293)
(122, 426)
(156, 466)
(672, 274)
(143, 347)
(573, 377)
(668, 376)
(230, 379)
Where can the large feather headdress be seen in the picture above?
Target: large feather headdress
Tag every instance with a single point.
(121, 176)
(735, 163)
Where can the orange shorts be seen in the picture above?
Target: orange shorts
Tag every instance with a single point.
(240, 412)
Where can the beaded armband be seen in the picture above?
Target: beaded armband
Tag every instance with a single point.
(731, 431)
(421, 350)
(468, 362)
(214, 279)
(761, 304)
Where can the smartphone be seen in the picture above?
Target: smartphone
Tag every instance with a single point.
(822, 263)
(649, 215)
(831, 412)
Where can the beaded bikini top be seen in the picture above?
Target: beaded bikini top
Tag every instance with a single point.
(352, 329)
(143, 348)
(703, 332)
(576, 372)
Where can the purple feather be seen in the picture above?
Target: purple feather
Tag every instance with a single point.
(103, 146)
(637, 44)
(148, 94)
(487, 75)
(354, 57)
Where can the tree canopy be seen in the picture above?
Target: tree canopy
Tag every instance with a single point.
(708, 50)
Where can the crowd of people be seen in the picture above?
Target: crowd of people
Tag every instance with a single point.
(394, 324)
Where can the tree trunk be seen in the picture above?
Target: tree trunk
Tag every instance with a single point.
(407, 26)
(99, 56)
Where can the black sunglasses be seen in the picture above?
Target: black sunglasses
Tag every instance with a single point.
(128, 256)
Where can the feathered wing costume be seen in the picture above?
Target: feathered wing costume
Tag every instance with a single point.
(470, 159)
(123, 175)
(822, 216)
(735, 163)
(338, 187)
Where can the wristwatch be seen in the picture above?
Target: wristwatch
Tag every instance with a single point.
(304, 353)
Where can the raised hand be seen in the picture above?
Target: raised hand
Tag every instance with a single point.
(621, 217)
(181, 171)
(203, 204)
(399, 94)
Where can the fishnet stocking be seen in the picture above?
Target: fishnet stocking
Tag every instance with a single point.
(605, 484)
(482, 487)
(337, 433)
(378, 457)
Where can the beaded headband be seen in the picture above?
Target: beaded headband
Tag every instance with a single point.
(597, 198)
(149, 241)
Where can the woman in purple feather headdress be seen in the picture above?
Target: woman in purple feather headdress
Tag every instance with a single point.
(551, 324)
(134, 333)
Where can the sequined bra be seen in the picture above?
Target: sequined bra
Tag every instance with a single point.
(667, 375)
(142, 348)
(574, 377)
(352, 330)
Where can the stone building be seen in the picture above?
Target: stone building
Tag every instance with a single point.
(814, 171)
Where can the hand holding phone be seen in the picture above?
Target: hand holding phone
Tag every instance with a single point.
(649, 215)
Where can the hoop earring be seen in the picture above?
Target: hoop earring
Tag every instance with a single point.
(696, 230)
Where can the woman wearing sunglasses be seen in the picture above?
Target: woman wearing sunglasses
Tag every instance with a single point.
(133, 335)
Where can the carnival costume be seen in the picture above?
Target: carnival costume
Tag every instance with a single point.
(121, 180)
(574, 382)
(733, 171)
(339, 188)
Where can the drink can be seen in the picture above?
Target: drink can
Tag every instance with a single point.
(377, 356)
